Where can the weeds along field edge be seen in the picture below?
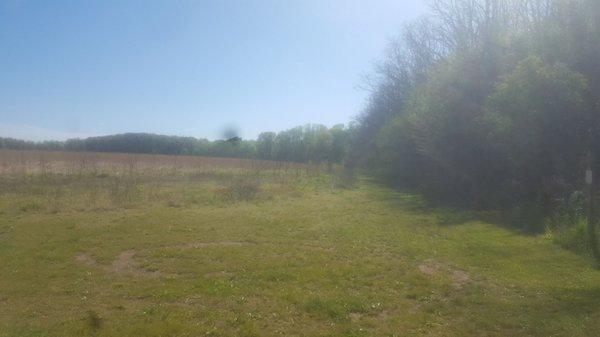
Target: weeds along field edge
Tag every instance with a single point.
(39, 181)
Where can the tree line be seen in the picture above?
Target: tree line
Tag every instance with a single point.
(494, 104)
(304, 144)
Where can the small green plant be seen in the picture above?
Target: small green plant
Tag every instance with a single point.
(571, 236)
(32, 206)
(567, 227)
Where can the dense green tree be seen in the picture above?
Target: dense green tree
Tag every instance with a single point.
(264, 145)
(489, 103)
(540, 117)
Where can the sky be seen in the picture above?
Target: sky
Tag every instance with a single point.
(192, 68)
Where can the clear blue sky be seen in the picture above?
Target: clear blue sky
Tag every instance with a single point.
(79, 68)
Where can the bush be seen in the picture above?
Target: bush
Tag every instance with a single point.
(573, 237)
(568, 226)
(241, 189)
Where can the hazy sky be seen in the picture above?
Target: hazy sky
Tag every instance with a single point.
(79, 68)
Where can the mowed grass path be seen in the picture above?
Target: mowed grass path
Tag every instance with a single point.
(361, 262)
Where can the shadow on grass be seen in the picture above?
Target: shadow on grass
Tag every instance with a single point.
(575, 302)
(446, 213)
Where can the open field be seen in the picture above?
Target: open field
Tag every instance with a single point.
(122, 245)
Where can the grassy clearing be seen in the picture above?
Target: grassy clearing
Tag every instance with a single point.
(237, 251)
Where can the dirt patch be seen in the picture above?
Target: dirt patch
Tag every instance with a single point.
(432, 269)
(429, 269)
(123, 264)
(85, 259)
(355, 317)
(385, 315)
(460, 277)
(126, 264)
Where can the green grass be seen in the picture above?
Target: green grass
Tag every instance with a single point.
(199, 258)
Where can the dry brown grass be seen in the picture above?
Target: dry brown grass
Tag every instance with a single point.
(48, 162)
(32, 181)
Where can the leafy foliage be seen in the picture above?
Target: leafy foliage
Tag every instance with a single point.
(488, 103)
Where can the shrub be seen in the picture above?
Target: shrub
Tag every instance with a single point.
(573, 237)
(567, 227)
(32, 206)
(240, 189)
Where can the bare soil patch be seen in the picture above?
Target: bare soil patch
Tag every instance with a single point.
(355, 317)
(433, 269)
(85, 259)
(123, 264)
(126, 264)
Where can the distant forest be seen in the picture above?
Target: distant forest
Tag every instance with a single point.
(310, 143)
(491, 104)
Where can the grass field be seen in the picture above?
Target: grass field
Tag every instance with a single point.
(121, 245)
